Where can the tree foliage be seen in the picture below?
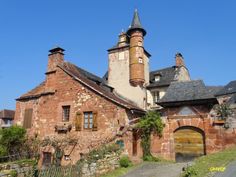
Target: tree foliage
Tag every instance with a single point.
(12, 139)
(223, 111)
(148, 124)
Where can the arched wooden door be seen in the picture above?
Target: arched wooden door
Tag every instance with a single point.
(189, 143)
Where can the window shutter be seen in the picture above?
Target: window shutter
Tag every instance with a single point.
(95, 125)
(28, 118)
(78, 121)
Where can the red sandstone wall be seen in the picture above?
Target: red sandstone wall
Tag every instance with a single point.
(216, 136)
(47, 112)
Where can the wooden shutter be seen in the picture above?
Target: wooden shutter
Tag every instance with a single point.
(95, 124)
(78, 121)
(28, 118)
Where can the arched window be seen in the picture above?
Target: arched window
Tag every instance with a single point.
(186, 111)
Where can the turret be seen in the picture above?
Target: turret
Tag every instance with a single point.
(136, 34)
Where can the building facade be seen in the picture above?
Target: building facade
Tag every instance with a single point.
(6, 118)
(72, 103)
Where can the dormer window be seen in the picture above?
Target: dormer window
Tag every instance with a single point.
(157, 77)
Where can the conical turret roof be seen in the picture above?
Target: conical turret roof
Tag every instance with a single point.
(136, 24)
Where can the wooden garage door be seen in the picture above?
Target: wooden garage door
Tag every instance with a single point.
(189, 143)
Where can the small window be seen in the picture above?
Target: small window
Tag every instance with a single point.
(88, 120)
(47, 157)
(65, 113)
(156, 96)
(157, 77)
(185, 111)
(140, 60)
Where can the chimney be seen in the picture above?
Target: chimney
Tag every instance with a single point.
(55, 57)
(122, 39)
(179, 60)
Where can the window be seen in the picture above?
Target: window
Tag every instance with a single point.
(140, 60)
(47, 157)
(65, 113)
(156, 96)
(185, 111)
(7, 121)
(157, 77)
(28, 118)
(88, 120)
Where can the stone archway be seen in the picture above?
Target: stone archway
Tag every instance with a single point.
(189, 143)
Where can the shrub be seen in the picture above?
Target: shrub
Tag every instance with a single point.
(13, 173)
(125, 162)
(151, 158)
(12, 138)
(189, 172)
(3, 151)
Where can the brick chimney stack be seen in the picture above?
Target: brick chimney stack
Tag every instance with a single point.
(55, 57)
(179, 60)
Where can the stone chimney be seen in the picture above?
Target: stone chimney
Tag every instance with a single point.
(55, 57)
(122, 39)
(179, 60)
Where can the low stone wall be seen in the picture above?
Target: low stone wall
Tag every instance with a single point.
(102, 166)
(6, 169)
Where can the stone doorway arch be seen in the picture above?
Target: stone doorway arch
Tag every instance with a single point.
(189, 143)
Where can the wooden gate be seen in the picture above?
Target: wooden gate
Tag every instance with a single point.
(189, 143)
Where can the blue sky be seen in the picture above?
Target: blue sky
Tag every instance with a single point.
(203, 31)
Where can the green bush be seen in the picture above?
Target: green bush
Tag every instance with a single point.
(151, 158)
(125, 162)
(13, 173)
(189, 172)
(3, 151)
(12, 139)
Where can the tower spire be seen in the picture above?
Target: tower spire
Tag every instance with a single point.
(136, 24)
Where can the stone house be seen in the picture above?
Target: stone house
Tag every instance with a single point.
(75, 104)
(72, 101)
(6, 118)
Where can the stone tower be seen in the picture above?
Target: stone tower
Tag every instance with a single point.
(136, 51)
(128, 71)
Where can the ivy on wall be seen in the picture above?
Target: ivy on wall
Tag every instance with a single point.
(148, 124)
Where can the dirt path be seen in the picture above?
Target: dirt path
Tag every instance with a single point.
(157, 170)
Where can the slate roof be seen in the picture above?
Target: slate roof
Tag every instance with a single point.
(136, 24)
(185, 91)
(88, 79)
(232, 100)
(228, 89)
(167, 75)
(5, 113)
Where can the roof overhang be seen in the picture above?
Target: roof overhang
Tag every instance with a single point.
(188, 102)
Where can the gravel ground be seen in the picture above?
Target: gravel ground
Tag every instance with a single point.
(230, 171)
(157, 170)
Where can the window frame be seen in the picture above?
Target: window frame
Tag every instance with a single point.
(66, 113)
(156, 96)
(90, 120)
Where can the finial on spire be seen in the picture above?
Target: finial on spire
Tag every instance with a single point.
(136, 24)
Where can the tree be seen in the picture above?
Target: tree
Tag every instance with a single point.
(148, 124)
(223, 111)
(12, 139)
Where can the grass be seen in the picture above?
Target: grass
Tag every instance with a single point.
(203, 164)
(120, 171)
(22, 162)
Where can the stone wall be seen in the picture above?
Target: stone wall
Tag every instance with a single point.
(216, 137)
(47, 113)
(102, 166)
